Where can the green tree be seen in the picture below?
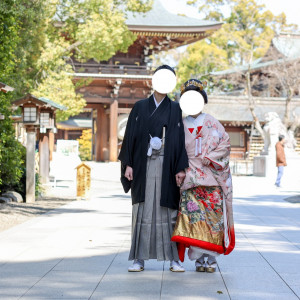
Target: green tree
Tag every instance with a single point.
(85, 145)
(11, 152)
(245, 36)
(38, 39)
(22, 31)
(201, 59)
(48, 35)
(81, 30)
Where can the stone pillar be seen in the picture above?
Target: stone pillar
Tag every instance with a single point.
(113, 131)
(30, 166)
(44, 158)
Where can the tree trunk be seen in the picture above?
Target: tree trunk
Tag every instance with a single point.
(287, 113)
(73, 46)
(296, 122)
(252, 105)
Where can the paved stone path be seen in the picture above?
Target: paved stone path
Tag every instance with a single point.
(80, 250)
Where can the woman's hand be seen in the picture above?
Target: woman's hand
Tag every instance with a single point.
(180, 177)
(129, 173)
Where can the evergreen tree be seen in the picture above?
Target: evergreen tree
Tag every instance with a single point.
(11, 152)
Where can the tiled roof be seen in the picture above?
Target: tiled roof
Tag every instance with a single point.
(254, 66)
(159, 16)
(5, 88)
(38, 100)
(75, 123)
(236, 109)
(52, 103)
(288, 45)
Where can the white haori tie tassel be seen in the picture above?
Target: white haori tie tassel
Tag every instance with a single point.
(198, 146)
(155, 143)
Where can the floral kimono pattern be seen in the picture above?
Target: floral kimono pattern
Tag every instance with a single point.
(205, 218)
(201, 203)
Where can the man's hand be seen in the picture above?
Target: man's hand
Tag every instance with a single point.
(129, 173)
(205, 161)
(180, 177)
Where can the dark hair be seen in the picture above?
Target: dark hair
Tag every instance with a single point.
(281, 137)
(194, 85)
(165, 67)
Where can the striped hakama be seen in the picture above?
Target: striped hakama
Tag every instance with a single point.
(152, 224)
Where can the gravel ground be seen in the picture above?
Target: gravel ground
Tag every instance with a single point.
(13, 213)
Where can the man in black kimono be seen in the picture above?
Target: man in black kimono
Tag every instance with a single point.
(153, 159)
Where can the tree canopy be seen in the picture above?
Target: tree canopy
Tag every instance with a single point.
(44, 37)
(245, 36)
(38, 40)
(11, 152)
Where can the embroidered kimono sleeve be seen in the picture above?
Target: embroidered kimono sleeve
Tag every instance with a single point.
(219, 156)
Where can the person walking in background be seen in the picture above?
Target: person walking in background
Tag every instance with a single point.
(280, 158)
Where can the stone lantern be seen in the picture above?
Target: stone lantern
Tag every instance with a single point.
(39, 120)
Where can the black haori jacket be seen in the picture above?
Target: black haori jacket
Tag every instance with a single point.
(143, 121)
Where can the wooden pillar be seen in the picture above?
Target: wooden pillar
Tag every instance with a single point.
(106, 150)
(44, 157)
(101, 135)
(66, 135)
(51, 144)
(98, 146)
(30, 165)
(113, 131)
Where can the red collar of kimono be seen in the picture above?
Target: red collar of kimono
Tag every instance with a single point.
(191, 124)
(191, 130)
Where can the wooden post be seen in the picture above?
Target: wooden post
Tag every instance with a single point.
(30, 165)
(101, 134)
(93, 141)
(51, 144)
(98, 145)
(66, 135)
(44, 157)
(113, 131)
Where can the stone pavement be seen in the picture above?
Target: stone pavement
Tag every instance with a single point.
(80, 250)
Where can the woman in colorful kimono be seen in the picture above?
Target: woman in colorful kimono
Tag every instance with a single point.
(205, 219)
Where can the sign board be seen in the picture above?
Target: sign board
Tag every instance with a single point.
(67, 147)
(83, 181)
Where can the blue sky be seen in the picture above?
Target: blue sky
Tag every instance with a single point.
(290, 7)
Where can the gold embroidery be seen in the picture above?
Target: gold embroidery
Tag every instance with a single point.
(195, 83)
(199, 231)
